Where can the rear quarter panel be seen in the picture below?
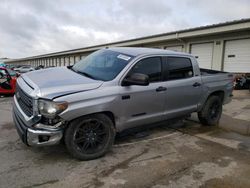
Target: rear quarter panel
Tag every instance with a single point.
(214, 83)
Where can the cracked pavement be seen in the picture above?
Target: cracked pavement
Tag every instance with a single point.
(182, 155)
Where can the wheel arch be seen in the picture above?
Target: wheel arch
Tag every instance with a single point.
(107, 113)
(219, 93)
(204, 114)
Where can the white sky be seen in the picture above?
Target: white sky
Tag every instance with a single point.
(33, 27)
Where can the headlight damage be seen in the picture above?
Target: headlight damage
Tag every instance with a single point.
(50, 109)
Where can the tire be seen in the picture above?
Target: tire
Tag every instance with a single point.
(211, 111)
(90, 137)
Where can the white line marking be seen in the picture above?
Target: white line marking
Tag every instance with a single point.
(148, 140)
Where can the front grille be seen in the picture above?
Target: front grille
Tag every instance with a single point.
(24, 101)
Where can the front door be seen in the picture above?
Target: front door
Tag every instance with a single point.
(143, 104)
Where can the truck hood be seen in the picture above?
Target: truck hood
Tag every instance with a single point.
(55, 82)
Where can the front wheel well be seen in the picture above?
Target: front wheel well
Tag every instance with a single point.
(107, 113)
(110, 115)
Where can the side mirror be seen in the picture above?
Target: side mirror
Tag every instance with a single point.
(136, 79)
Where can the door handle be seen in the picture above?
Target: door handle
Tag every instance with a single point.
(196, 84)
(159, 89)
(125, 97)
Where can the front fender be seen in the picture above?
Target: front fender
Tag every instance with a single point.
(89, 102)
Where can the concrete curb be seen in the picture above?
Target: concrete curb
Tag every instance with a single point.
(231, 124)
(236, 125)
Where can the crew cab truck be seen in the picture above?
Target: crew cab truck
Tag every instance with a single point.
(111, 90)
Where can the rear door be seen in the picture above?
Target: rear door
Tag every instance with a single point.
(183, 87)
(143, 104)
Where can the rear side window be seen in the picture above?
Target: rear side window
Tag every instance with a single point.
(179, 68)
(150, 66)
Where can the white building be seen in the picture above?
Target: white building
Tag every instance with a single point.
(223, 46)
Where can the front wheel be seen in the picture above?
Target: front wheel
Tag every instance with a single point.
(90, 137)
(211, 111)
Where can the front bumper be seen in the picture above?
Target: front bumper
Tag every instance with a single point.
(43, 137)
(32, 136)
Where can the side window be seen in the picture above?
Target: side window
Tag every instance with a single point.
(150, 66)
(179, 68)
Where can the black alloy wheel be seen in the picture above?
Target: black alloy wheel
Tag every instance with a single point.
(211, 112)
(90, 137)
(214, 110)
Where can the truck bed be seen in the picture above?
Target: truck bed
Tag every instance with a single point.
(209, 75)
(207, 72)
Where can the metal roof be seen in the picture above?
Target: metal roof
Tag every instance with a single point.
(136, 51)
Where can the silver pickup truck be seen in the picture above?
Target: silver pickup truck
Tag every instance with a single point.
(111, 90)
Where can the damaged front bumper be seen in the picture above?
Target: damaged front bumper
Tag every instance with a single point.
(34, 133)
(43, 137)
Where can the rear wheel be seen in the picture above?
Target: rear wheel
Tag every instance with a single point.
(90, 137)
(211, 112)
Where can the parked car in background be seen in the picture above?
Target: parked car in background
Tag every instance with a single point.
(9, 66)
(2, 64)
(24, 69)
(50, 66)
(13, 73)
(17, 67)
(39, 67)
(112, 90)
(242, 82)
(7, 82)
(248, 81)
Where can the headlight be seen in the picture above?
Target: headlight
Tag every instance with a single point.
(50, 109)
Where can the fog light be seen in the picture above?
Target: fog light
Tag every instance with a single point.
(43, 138)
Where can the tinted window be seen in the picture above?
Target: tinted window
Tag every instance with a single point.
(149, 66)
(179, 68)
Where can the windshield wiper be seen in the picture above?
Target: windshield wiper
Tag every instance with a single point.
(83, 73)
(86, 74)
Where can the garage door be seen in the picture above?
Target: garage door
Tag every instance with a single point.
(178, 48)
(203, 53)
(237, 56)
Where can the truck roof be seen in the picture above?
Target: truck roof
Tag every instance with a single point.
(136, 51)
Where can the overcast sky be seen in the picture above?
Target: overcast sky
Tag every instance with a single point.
(33, 27)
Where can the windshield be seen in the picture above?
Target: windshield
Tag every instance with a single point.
(102, 65)
(11, 72)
